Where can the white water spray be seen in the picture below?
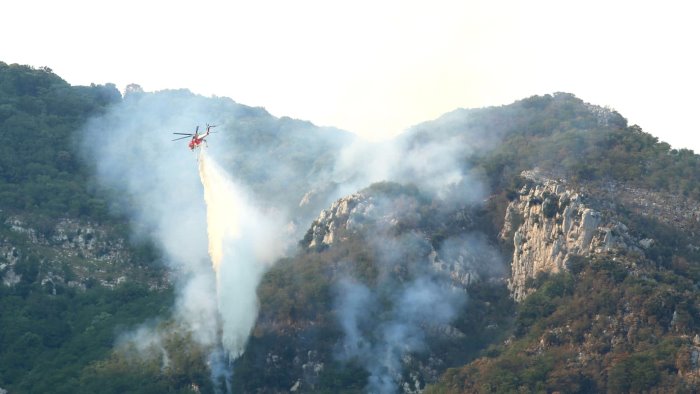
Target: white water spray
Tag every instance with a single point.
(243, 242)
(223, 220)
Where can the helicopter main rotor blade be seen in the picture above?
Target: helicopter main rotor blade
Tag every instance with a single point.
(181, 138)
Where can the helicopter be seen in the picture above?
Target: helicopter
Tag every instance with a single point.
(196, 138)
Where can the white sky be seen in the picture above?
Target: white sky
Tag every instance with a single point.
(377, 67)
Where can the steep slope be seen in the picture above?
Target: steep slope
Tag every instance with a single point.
(70, 278)
(580, 276)
(65, 239)
(605, 271)
(382, 296)
(550, 226)
(602, 308)
(599, 277)
(39, 116)
(604, 252)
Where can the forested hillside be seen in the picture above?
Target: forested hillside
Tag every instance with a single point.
(75, 279)
(540, 246)
(62, 302)
(616, 318)
(39, 114)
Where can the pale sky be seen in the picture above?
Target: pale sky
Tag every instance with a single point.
(377, 67)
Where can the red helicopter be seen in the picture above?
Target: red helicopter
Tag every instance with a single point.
(197, 139)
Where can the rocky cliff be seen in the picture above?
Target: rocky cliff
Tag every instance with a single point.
(463, 257)
(66, 251)
(345, 214)
(549, 223)
(605, 277)
(390, 272)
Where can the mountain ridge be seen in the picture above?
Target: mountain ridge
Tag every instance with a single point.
(405, 259)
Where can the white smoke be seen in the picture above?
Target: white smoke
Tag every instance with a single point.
(391, 320)
(435, 166)
(380, 340)
(418, 290)
(157, 184)
(197, 308)
(145, 341)
(383, 324)
(219, 241)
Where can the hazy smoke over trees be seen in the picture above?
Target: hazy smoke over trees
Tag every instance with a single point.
(217, 251)
(222, 221)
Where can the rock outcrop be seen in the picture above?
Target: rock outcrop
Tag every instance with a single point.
(70, 252)
(404, 249)
(346, 214)
(9, 255)
(549, 224)
(464, 258)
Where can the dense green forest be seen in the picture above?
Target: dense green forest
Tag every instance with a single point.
(49, 331)
(48, 340)
(40, 115)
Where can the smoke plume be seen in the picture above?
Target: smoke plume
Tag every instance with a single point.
(243, 241)
(215, 240)
(419, 288)
(221, 218)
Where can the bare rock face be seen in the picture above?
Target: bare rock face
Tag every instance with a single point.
(353, 213)
(73, 238)
(342, 215)
(91, 251)
(465, 258)
(549, 224)
(9, 255)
